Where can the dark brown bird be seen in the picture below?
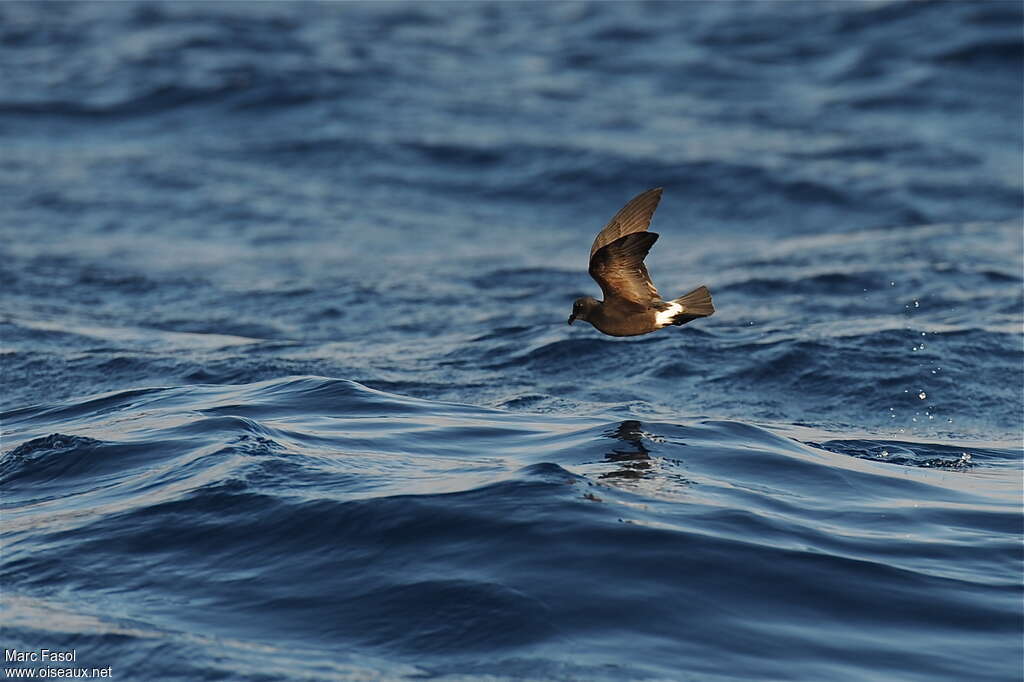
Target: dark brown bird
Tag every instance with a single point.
(632, 305)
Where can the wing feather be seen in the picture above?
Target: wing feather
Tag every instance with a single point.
(635, 216)
(619, 270)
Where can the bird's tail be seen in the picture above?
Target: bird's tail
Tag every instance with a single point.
(695, 304)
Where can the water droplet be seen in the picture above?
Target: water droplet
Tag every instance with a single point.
(917, 304)
(892, 284)
(924, 333)
(885, 453)
(922, 395)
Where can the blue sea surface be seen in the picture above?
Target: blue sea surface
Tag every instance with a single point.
(288, 393)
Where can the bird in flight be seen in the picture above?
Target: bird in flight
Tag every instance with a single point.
(632, 305)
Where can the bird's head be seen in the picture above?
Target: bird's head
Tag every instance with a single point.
(581, 308)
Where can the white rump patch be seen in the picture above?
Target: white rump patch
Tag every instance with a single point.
(664, 318)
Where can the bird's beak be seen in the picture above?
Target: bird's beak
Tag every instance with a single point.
(572, 318)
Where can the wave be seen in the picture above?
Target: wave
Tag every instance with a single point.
(407, 530)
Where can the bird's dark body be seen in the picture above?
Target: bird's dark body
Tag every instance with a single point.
(614, 323)
(623, 325)
(632, 305)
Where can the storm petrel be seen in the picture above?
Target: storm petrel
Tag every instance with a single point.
(632, 305)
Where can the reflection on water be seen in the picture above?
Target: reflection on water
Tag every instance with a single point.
(635, 458)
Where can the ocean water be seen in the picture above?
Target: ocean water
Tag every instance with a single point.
(288, 393)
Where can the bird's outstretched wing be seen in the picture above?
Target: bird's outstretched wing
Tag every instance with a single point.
(633, 217)
(620, 271)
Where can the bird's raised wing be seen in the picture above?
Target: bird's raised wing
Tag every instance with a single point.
(620, 271)
(633, 217)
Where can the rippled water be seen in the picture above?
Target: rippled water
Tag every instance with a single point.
(288, 391)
